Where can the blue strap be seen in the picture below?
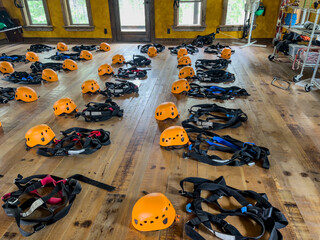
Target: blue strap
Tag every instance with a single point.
(226, 143)
(188, 208)
(190, 147)
(245, 209)
(229, 115)
(217, 88)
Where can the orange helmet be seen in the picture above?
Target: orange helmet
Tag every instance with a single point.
(226, 53)
(85, 54)
(180, 86)
(105, 69)
(26, 94)
(49, 75)
(64, 105)
(105, 47)
(90, 86)
(69, 64)
(32, 57)
(182, 52)
(153, 212)
(62, 47)
(118, 59)
(39, 135)
(186, 72)
(174, 136)
(166, 110)
(6, 67)
(152, 51)
(184, 60)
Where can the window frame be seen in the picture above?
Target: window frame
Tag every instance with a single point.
(28, 25)
(67, 17)
(230, 28)
(201, 27)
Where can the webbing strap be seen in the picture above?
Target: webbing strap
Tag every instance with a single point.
(215, 76)
(38, 67)
(7, 94)
(39, 48)
(144, 48)
(211, 64)
(139, 61)
(216, 92)
(79, 48)
(262, 212)
(67, 189)
(119, 89)
(24, 78)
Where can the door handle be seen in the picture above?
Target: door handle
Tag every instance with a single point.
(146, 2)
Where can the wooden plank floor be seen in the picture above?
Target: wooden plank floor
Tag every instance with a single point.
(285, 122)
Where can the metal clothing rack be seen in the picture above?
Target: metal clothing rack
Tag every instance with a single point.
(299, 29)
(314, 82)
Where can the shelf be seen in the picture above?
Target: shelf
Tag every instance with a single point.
(303, 9)
(299, 29)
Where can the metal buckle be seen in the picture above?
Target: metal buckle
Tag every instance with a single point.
(13, 201)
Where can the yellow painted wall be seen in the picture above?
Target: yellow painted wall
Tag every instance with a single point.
(164, 19)
(100, 14)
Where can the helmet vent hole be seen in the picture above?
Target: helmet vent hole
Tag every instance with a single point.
(30, 96)
(151, 221)
(169, 204)
(174, 138)
(156, 217)
(42, 133)
(178, 135)
(166, 208)
(162, 139)
(46, 131)
(157, 114)
(163, 215)
(145, 221)
(28, 139)
(165, 221)
(135, 221)
(141, 224)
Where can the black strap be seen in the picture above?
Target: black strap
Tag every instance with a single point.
(211, 91)
(39, 48)
(200, 41)
(139, 61)
(101, 111)
(191, 49)
(212, 64)
(23, 78)
(77, 141)
(67, 189)
(38, 67)
(131, 73)
(13, 58)
(7, 94)
(79, 48)
(63, 56)
(242, 152)
(262, 212)
(119, 89)
(215, 76)
(228, 117)
(144, 48)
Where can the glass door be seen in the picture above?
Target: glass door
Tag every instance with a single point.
(131, 20)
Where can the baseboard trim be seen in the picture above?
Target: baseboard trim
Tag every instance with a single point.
(67, 40)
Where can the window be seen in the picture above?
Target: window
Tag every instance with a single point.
(235, 12)
(36, 15)
(233, 15)
(77, 15)
(189, 15)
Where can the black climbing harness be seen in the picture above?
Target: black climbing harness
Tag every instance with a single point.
(261, 211)
(210, 64)
(214, 117)
(215, 76)
(39, 48)
(144, 48)
(200, 41)
(216, 49)
(77, 141)
(131, 73)
(30, 205)
(7, 94)
(38, 67)
(243, 152)
(119, 89)
(79, 48)
(216, 92)
(96, 112)
(191, 49)
(63, 56)
(23, 78)
(13, 58)
(139, 61)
